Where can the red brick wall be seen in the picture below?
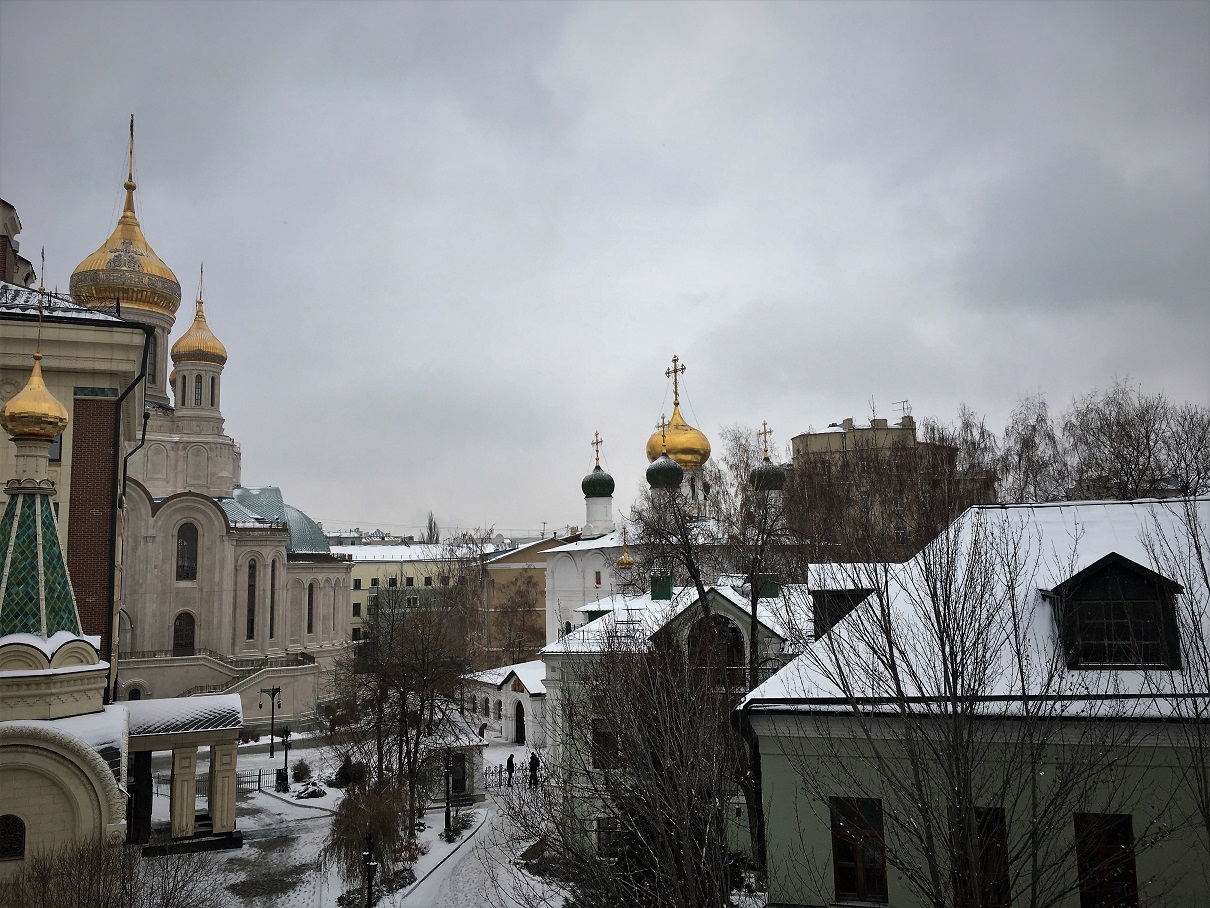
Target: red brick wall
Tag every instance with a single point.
(90, 518)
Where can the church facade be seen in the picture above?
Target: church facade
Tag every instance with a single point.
(223, 589)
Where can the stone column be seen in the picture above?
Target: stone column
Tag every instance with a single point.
(183, 798)
(220, 800)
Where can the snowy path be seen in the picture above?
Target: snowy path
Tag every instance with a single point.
(465, 880)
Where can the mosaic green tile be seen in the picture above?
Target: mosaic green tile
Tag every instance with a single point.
(61, 614)
(20, 609)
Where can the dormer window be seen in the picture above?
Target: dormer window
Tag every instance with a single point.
(1118, 614)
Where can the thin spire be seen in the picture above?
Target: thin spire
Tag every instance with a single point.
(201, 282)
(129, 185)
(41, 294)
(674, 373)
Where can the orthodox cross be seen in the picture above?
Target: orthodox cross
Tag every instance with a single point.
(764, 434)
(675, 373)
(596, 446)
(662, 426)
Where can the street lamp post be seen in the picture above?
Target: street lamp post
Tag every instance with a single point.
(274, 705)
(285, 746)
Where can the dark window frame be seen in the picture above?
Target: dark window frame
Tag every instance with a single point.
(251, 622)
(12, 837)
(311, 607)
(858, 850)
(184, 643)
(993, 888)
(187, 538)
(1105, 861)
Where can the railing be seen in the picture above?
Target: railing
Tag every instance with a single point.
(496, 776)
(251, 667)
(245, 781)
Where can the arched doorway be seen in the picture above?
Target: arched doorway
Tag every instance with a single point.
(182, 635)
(519, 724)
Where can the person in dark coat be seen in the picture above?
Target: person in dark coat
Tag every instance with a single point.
(533, 770)
(508, 768)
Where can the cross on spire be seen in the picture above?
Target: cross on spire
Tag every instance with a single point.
(675, 373)
(663, 428)
(596, 446)
(764, 434)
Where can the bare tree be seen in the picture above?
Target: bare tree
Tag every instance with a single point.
(633, 811)
(516, 626)
(1183, 554)
(1033, 465)
(934, 694)
(91, 874)
(432, 532)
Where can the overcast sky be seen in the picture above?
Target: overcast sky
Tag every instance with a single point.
(445, 243)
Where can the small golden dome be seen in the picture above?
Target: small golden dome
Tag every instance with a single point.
(685, 444)
(125, 267)
(198, 344)
(34, 412)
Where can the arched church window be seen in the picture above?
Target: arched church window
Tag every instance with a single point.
(499, 710)
(136, 693)
(182, 634)
(186, 552)
(486, 709)
(12, 838)
(213, 389)
(180, 399)
(310, 608)
(251, 632)
(152, 354)
(272, 598)
(197, 390)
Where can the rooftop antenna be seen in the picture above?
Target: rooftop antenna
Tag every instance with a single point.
(905, 407)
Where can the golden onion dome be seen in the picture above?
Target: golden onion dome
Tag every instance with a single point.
(685, 444)
(125, 268)
(198, 344)
(34, 412)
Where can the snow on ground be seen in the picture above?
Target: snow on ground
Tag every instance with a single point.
(283, 837)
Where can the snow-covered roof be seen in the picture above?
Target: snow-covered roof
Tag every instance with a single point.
(492, 676)
(1049, 544)
(104, 731)
(50, 645)
(640, 616)
(213, 712)
(608, 541)
(531, 674)
(421, 551)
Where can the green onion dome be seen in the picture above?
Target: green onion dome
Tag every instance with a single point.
(664, 473)
(597, 484)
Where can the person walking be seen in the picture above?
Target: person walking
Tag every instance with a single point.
(533, 770)
(508, 767)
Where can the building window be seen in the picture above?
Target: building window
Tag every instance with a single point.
(458, 773)
(153, 354)
(356, 609)
(310, 608)
(197, 390)
(428, 581)
(596, 578)
(392, 581)
(486, 708)
(356, 634)
(373, 581)
(56, 449)
(609, 844)
(213, 389)
(184, 385)
(1118, 613)
(12, 838)
(356, 583)
(272, 598)
(182, 635)
(604, 748)
(445, 579)
(412, 602)
(135, 693)
(985, 886)
(186, 552)
(1105, 861)
(499, 711)
(251, 630)
(409, 581)
(858, 860)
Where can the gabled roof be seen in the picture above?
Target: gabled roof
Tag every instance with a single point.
(1057, 544)
(640, 617)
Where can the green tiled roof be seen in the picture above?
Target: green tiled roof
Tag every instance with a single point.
(305, 534)
(35, 591)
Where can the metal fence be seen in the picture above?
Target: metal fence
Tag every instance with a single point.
(245, 781)
(496, 776)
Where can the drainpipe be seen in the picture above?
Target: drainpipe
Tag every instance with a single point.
(120, 462)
